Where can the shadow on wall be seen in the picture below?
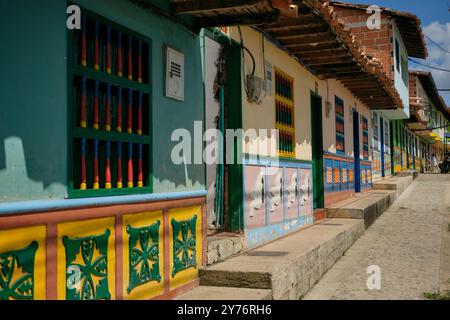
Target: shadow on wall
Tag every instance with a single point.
(39, 179)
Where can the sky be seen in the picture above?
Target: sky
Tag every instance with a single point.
(435, 18)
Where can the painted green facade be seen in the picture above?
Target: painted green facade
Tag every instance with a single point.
(34, 112)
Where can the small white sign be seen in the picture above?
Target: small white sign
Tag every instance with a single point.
(175, 74)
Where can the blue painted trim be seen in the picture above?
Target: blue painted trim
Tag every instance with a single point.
(273, 162)
(344, 185)
(259, 236)
(25, 207)
(326, 153)
(328, 163)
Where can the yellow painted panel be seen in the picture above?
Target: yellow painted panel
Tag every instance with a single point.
(18, 239)
(183, 214)
(80, 229)
(154, 288)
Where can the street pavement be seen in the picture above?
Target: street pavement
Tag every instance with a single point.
(407, 250)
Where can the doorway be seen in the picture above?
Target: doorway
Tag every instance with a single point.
(317, 151)
(356, 148)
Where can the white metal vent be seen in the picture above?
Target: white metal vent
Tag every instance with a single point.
(175, 74)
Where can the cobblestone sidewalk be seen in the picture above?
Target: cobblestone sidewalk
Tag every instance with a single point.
(405, 242)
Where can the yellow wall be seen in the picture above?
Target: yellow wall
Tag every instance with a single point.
(262, 116)
(20, 239)
(189, 274)
(153, 288)
(80, 229)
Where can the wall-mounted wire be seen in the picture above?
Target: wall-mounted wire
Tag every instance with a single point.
(243, 49)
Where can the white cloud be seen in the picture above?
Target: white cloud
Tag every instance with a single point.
(439, 33)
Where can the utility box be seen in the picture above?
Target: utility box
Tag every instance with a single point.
(175, 74)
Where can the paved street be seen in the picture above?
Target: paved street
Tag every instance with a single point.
(410, 243)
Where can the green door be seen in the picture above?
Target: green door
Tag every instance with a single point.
(317, 150)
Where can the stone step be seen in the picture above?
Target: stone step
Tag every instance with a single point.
(408, 173)
(367, 206)
(290, 266)
(398, 184)
(225, 293)
(224, 246)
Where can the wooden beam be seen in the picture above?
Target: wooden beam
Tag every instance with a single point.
(360, 84)
(306, 35)
(301, 21)
(335, 72)
(332, 44)
(242, 20)
(340, 66)
(348, 78)
(284, 7)
(334, 52)
(298, 32)
(327, 61)
(309, 39)
(193, 7)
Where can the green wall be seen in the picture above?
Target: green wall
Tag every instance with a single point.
(33, 102)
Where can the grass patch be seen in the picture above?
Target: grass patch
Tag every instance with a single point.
(437, 296)
(449, 227)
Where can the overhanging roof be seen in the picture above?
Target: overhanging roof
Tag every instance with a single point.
(409, 26)
(315, 36)
(321, 42)
(211, 13)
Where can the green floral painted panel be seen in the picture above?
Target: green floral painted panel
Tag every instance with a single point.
(87, 267)
(184, 245)
(17, 273)
(143, 255)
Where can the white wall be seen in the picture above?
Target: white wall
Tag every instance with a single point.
(400, 85)
(212, 52)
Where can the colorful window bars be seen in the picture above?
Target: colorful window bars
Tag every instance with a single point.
(365, 134)
(285, 114)
(110, 101)
(340, 125)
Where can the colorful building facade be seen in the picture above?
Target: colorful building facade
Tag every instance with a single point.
(321, 153)
(398, 37)
(429, 121)
(96, 207)
(93, 207)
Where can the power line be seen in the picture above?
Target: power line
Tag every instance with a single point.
(443, 89)
(431, 67)
(436, 44)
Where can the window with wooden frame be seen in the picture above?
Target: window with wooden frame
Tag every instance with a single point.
(285, 114)
(365, 134)
(340, 125)
(110, 109)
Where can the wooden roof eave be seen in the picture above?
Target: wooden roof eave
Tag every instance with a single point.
(214, 13)
(381, 93)
(409, 26)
